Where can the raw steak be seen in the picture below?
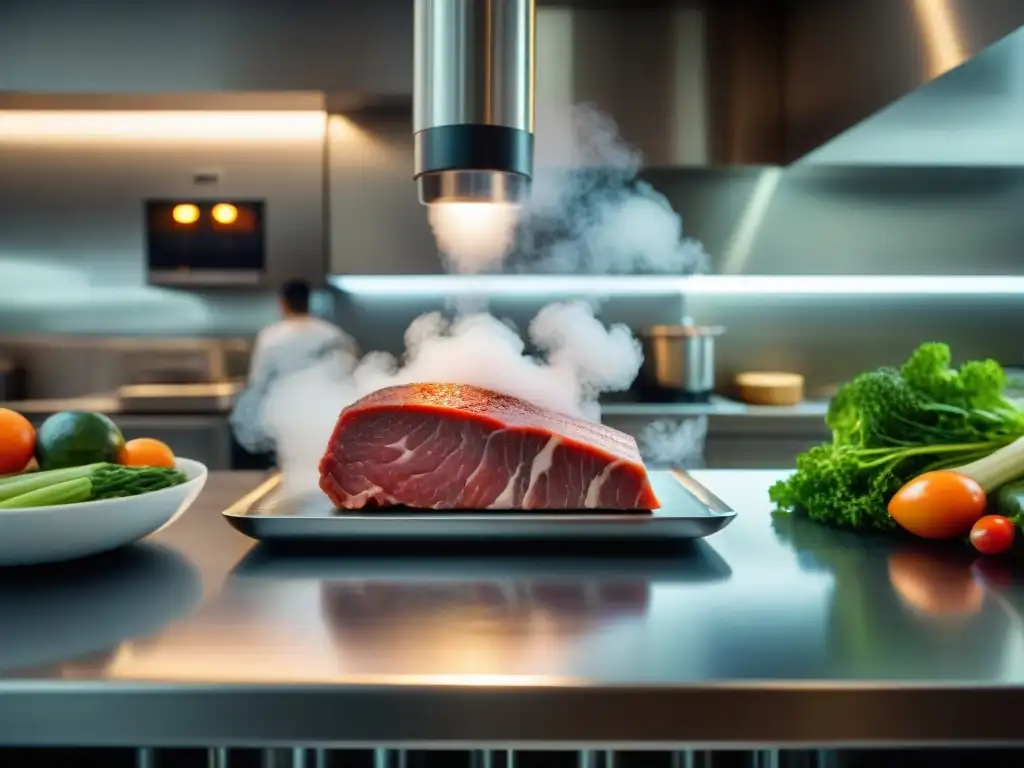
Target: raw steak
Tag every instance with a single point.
(450, 446)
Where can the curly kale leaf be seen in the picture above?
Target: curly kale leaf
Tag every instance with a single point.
(843, 486)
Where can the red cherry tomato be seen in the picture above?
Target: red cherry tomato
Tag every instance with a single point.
(992, 534)
(938, 505)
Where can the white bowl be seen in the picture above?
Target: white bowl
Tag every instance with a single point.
(51, 534)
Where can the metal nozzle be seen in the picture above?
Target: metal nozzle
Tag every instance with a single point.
(473, 99)
(472, 187)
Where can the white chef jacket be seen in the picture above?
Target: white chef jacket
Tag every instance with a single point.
(288, 346)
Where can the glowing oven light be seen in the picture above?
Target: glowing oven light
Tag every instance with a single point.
(186, 213)
(224, 213)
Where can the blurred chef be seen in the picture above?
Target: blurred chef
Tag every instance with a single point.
(299, 339)
(286, 345)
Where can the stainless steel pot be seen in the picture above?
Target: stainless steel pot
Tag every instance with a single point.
(679, 361)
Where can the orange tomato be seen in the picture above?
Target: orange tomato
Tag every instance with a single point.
(938, 505)
(146, 452)
(17, 441)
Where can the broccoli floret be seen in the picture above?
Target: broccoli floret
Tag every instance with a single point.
(928, 371)
(978, 385)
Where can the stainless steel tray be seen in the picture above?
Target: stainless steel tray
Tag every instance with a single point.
(689, 511)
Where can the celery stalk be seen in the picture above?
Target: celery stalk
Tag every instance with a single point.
(5, 479)
(34, 481)
(991, 472)
(67, 492)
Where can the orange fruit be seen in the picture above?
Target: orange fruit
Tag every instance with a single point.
(17, 441)
(146, 452)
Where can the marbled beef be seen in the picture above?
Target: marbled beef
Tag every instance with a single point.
(451, 446)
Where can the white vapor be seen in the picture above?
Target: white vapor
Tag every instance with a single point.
(473, 237)
(587, 211)
(674, 442)
(578, 359)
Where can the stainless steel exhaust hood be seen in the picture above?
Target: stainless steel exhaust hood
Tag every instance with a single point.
(473, 99)
(846, 62)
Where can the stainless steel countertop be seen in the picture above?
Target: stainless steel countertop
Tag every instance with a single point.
(796, 635)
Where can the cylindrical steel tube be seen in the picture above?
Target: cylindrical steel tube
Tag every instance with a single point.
(473, 101)
(474, 63)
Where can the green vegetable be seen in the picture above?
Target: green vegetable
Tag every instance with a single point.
(5, 479)
(66, 492)
(74, 438)
(99, 481)
(890, 425)
(1011, 501)
(33, 481)
(114, 482)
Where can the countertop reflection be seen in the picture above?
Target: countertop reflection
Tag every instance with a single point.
(52, 614)
(782, 613)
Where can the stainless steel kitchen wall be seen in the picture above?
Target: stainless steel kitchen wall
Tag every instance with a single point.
(72, 185)
(104, 46)
(377, 224)
(691, 84)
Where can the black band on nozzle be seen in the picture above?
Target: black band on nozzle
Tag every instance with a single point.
(474, 148)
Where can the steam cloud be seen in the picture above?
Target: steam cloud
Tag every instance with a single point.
(674, 442)
(587, 214)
